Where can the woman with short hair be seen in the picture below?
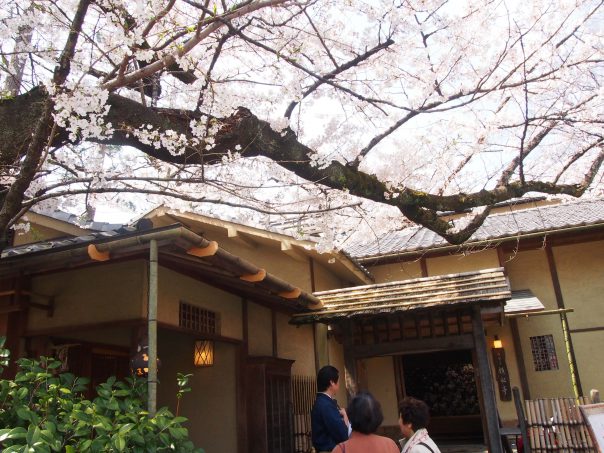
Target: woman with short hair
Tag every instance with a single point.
(413, 417)
(365, 416)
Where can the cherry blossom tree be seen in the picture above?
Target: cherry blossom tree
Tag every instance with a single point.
(421, 105)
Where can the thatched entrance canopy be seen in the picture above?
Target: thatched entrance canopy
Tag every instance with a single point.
(488, 287)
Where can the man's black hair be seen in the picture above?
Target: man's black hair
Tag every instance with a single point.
(325, 376)
(414, 411)
(364, 413)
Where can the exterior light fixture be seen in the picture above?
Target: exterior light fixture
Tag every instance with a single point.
(203, 353)
(501, 370)
(139, 363)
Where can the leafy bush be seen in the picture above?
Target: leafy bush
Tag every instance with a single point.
(44, 411)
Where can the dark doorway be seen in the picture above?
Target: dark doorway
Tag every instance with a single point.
(446, 382)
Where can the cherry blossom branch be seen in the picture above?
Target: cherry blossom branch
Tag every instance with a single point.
(171, 58)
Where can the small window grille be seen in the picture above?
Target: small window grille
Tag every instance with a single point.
(544, 353)
(197, 319)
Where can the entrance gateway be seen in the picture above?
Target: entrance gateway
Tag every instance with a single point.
(412, 321)
(446, 381)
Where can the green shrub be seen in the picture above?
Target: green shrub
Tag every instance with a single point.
(42, 410)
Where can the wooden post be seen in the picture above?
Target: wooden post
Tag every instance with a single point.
(152, 327)
(521, 420)
(486, 383)
(349, 360)
(520, 358)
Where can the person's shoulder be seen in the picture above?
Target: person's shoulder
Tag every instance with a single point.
(388, 443)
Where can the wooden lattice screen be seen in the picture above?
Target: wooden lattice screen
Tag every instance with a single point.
(557, 425)
(304, 391)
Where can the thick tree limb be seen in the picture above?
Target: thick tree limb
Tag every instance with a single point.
(43, 129)
(258, 139)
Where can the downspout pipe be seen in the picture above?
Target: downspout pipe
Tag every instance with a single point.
(152, 329)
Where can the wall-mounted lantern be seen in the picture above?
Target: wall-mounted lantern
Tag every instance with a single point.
(139, 364)
(497, 344)
(203, 353)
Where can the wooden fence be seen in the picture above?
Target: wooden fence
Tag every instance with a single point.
(556, 425)
(304, 391)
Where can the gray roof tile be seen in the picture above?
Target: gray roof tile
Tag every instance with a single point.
(496, 226)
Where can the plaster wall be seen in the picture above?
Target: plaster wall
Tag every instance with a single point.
(174, 288)
(590, 356)
(405, 270)
(581, 273)
(37, 233)
(380, 382)
(296, 343)
(454, 264)
(95, 294)
(110, 336)
(530, 270)
(325, 278)
(260, 330)
(211, 404)
(270, 257)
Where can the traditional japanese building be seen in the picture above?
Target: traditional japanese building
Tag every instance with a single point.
(252, 314)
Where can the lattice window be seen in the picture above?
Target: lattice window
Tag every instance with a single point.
(198, 319)
(544, 353)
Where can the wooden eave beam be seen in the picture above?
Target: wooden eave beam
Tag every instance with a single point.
(453, 342)
(241, 238)
(293, 252)
(49, 306)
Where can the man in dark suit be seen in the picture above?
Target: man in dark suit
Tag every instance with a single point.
(329, 423)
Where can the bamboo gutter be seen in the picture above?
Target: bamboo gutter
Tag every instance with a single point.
(104, 249)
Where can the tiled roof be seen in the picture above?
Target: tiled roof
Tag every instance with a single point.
(57, 244)
(489, 285)
(497, 226)
(201, 257)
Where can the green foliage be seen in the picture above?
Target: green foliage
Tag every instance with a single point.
(4, 354)
(182, 381)
(44, 411)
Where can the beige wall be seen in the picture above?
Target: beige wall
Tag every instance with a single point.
(174, 288)
(590, 357)
(441, 265)
(95, 294)
(453, 264)
(380, 382)
(581, 273)
(270, 257)
(211, 404)
(296, 343)
(397, 271)
(36, 233)
(260, 330)
(529, 270)
(325, 279)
